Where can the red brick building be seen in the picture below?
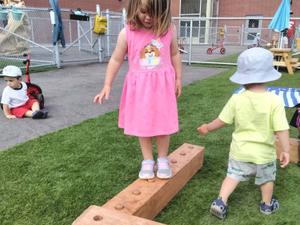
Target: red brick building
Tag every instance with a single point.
(221, 8)
(199, 8)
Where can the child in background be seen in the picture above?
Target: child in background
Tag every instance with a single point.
(295, 122)
(15, 102)
(148, 107)
(284, 42)
(257, 115)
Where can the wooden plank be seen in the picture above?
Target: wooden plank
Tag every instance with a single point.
(294, 60)
(296, 65)
(294, 158)
(279, 63)
(95, 215)
(146, 198)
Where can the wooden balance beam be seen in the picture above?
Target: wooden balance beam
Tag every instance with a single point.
(146, 198)
(294, 157)
(95, 215)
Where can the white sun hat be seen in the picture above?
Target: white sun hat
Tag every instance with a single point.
(11, 71)
(255, 65)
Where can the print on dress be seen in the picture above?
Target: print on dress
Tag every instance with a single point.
(150, 54)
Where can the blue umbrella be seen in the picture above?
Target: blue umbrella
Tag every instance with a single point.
(281, 18)
(57, 32)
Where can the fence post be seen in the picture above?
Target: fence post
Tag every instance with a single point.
(100, 50)
(191, 40)
(57, 56)
(242, 35)
(108, 32)
(124, 17)
(78, 35)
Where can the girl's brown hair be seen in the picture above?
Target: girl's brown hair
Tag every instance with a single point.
(159, 10)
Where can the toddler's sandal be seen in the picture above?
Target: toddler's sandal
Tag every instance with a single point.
(164, 170)
(147, 170)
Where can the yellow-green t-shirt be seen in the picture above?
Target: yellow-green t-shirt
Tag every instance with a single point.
(256, 116)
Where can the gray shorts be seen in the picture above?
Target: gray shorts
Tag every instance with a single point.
(242, 171)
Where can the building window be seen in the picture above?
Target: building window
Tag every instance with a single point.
(253, 23)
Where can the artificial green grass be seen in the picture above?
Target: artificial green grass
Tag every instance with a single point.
(52, 179)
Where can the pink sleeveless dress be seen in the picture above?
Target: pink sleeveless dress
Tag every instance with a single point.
(148, 105)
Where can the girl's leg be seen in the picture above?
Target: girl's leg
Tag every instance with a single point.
(147, 168)
(162, 143)
(164, 170)
(146, 147)
(267, 192)
(228, 186)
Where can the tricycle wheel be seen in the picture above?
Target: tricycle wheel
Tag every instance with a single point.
(222, 51)
(209, 51)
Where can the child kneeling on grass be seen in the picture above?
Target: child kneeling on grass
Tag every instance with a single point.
(16, 103)
(257, 115)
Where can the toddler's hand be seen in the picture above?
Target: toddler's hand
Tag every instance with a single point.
(11, 117)
(284, 159)
(104, 93)
(203, 129)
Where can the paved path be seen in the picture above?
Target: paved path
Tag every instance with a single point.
(69, 93)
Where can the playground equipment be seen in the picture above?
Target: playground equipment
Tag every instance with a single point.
(220, 43)
(33, 91)
(146, 198)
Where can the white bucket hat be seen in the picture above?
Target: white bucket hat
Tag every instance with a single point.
(255, 65)
(11, 71)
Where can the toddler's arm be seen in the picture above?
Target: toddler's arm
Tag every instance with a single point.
(214, 125)
(283, 137)
(7, 112)
(113, 67)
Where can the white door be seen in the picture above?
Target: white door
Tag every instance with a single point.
(252, 27)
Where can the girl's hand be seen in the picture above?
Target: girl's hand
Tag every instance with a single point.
(203, 129)
(104, 94)
(11, 117)
(284, 159)
(178, 87)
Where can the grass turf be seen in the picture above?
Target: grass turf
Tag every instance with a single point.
(52, 179)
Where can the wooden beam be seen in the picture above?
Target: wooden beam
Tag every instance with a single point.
(95, 215)
(294, 157)
(146, 198)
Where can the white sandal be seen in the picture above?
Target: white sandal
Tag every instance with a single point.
(147, 170)
(164, 170)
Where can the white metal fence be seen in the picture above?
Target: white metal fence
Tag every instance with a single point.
(32, 33)
(195, 35)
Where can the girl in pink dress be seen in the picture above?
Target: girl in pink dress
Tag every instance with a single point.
(148, 107)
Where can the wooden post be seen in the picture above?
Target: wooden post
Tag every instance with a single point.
(146, 198)
(95, 215)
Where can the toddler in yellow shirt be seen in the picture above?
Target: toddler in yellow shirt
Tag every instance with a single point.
(257, 115)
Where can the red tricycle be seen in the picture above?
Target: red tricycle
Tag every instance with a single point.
(33, 91)
(219, 45)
